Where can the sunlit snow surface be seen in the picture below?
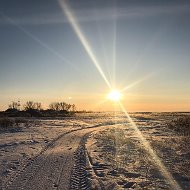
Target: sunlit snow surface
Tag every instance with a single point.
(117, 146)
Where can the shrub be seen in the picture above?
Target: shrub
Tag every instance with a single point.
(180, 125)
(6, 123)
(11, 125)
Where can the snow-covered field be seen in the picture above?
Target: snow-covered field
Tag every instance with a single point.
(95, 151)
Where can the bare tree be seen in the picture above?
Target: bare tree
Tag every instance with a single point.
(38, 105)
(14, 105)
(73, 107)
(55, 106)
(62, 106)
(29, 105)
(68, 106)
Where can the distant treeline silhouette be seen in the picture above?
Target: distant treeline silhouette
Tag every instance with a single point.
(35, 109)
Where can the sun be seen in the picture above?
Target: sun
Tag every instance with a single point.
(114, 95)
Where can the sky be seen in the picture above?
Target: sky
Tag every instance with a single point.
(77, 51)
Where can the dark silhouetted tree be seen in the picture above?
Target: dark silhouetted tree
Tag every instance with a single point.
(68, 106)
(55, 106)
(14, 105)
(38, 105)
(63, 106)
(73, 108)
(29, 105)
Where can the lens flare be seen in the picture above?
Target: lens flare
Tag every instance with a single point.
(114, 44)
(82, 39)
(138, 82)
(155, 159)
(114, 95)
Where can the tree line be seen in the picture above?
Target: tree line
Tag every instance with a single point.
(31, 108)
(56, 106)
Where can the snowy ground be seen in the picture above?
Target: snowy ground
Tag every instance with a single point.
(93, 151)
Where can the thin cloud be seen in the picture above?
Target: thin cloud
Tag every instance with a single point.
(104, 14)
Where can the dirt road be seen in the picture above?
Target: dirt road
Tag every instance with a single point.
(59, 166)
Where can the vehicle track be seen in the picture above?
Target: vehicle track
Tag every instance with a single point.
(83, 174)
(29, 161)
(79, 177)
(52, 167)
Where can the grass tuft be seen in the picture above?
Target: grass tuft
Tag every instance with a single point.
(11, 124)
(181, 125)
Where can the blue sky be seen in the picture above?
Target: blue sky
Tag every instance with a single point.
(42, 59)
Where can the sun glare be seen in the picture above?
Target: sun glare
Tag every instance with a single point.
(114, 95)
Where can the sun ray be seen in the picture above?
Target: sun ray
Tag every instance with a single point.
(82, 39)
(156, 160)
(137, 82)
(114, 44)
(43, 44)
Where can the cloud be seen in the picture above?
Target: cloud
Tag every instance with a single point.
(102, 14)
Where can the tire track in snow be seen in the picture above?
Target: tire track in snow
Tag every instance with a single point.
(34, 167)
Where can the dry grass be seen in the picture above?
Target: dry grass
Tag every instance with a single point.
(181, 125)
(11, 124)
(6, 123)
